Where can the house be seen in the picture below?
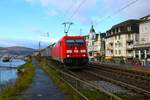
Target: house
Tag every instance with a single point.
(120, 40)
(142, 48)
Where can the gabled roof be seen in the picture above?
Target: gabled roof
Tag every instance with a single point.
(126, 23)
(145, 19)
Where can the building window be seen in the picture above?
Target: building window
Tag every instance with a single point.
(116, 52)
(142, 54)
(111, 52)
(115, 44)
(137, 54)
(119, 52)
(119, 44)
(129, 28)
(118, 29)
(118, 36)
(148, 53)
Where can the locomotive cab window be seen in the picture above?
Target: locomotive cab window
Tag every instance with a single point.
(79, 42)
(70, 42)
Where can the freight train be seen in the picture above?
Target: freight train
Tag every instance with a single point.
(69, 50)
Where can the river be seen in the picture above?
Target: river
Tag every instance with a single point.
(9, 74)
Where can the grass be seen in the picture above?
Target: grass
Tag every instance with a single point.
(129, 97)
(25, 75)
(94, 94)
(54, 75)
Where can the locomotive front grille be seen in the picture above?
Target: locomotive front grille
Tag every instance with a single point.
(76, 61)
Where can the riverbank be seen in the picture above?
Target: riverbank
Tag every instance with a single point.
(25, 75)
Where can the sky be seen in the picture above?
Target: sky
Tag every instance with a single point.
(27, 22)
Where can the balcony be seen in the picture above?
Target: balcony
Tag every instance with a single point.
(129, 47)
(110, 48)
(129, 40)
(111, 43)
(129, 55)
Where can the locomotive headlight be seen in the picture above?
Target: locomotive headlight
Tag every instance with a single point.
(82, 51)
(69, 51)
(84, 55)
(76, 51)
(68, 55)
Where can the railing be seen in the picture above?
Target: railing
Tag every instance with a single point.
(129, 40)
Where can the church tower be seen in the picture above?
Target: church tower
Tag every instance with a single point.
(92, 34)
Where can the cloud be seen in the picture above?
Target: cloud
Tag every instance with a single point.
(95, 9)
(136, 10)
(9, 43)
(63, 4)
(67, 7)
(52, 13)
(83, 19)
(48, 40)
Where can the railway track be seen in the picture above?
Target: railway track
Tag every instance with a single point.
(137, 79)
(117, 69)
(95, 73)
(134, 81)
(88, 75)
(107, 95)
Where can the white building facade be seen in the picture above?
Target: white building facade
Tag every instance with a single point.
(120, 40)
(95, 44)
(142, 49)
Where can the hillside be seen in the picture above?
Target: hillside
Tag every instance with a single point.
(16, 50)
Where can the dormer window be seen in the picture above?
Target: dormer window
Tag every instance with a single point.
(119, 30)
(129, 28)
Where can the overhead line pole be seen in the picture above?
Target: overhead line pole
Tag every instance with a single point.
(66, 30)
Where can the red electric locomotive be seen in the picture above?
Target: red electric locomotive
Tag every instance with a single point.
(70, 50)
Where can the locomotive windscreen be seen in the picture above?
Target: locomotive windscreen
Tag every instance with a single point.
(77, 42)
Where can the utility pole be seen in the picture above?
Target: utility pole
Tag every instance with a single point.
(39, 48)
(39, 45)
(67, 27)
(80, 31)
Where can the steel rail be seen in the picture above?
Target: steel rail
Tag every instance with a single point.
(126, 73)
(87, 83)
(128, 86)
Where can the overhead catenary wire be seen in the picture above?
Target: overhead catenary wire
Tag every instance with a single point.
(69, 8)
(66, 30)
(77, 9)
(118, 11)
